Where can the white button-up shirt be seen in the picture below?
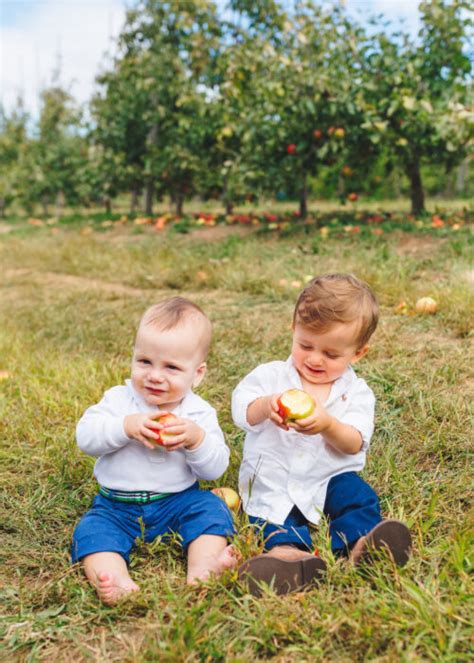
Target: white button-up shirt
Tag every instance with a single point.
(126, 464)
(280, 468)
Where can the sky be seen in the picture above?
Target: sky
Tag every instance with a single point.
(38, 37)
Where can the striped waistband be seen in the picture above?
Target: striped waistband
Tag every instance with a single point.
(132, 497)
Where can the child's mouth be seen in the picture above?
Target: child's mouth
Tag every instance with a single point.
(155, 392)
(315, 371)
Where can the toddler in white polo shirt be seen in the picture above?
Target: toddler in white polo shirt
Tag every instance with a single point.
(294, 472)
(149, 489)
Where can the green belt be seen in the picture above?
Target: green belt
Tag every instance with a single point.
(133, 497)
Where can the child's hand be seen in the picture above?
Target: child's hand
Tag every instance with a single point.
(186, 433)
(274, 412)
(317, 422)
(142, 427)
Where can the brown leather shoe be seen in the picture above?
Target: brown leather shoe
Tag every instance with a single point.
(284, 576)
(390, 535)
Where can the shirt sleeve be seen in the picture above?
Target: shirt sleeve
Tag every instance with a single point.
(210, 459)
(360, 412)
(255, 385)
(100, 430)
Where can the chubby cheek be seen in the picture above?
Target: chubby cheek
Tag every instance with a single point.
(297, 356)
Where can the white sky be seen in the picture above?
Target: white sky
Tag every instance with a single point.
(37, 34)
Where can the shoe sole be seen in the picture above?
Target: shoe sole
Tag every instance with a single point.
(391, 536)
(283, 576)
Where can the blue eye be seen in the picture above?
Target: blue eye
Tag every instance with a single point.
(172, 368)
(144, 361)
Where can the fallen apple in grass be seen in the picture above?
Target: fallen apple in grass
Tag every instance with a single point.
(295, 404)
(163, 435)
(229, 496)
(426, 305)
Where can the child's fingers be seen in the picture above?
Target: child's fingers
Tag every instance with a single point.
(174, 429)
(150, 431)
(146, 443)
(178, 441)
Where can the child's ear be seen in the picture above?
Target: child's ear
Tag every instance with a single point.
(199, 374)
(360, 353)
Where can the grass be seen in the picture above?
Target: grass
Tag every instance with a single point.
(69, 305)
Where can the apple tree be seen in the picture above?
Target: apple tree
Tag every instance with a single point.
(13, 145)
(414, 94)
(172, 47)
(301, 109)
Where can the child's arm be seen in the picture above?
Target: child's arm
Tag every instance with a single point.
(263, 408)
(252, 400)
(343, 437)
(350, 432)
(103, 428)
(209, 458)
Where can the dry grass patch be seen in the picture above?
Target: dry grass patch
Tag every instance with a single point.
(69, 306)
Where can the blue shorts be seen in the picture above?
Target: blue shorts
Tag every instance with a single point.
(113, 526)
(351, 506)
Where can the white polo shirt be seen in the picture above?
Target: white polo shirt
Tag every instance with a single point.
(280, 468)
(125, 464)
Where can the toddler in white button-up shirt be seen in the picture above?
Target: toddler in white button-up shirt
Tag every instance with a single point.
(148, 470)
(293, 472)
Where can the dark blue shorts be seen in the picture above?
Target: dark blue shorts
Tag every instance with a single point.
(351, 506)
(112, 526)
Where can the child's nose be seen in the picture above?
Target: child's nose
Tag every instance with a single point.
(156, 375)
(315, 359)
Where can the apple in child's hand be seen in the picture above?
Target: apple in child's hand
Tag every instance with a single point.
(229, 496)
(163, 435)
(295, 404)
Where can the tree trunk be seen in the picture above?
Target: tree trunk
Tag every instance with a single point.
(304, 199)
(416, 187)
(59, 204)
(134, 199)
(45, 203)
(179, 202)
(107, 205)
(229, 207)
(149, 195)
(2, 208)
(461, 176)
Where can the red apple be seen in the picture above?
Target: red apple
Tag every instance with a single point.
(229, 496)
(353, 197)
(295, 404)
(163, 435)
(291, 148)
(318, 134)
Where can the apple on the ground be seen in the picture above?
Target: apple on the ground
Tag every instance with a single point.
(229, 496)
(295, 404)
(163, 435)
(426, 305)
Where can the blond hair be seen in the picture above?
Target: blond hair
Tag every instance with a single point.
(334, 298)
(172, 312)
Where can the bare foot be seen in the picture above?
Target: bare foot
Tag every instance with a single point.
(228, 558)
(112, 588)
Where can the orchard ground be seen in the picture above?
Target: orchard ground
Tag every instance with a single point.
(72, 292)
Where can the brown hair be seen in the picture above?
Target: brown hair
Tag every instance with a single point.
(171, 312)
(333, 298)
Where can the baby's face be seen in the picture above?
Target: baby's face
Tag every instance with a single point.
(166, 364)
(322, 357)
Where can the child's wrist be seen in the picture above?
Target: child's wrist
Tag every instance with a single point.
(197, 442)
